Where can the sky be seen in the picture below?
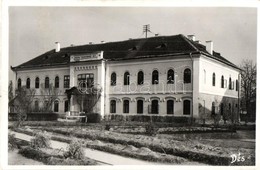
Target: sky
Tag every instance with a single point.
(34, 30)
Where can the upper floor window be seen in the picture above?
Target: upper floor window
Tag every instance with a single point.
(205, 76)
(113, 79)
(170, 76)
(187, 75)
(112, 106)
(57, 82)
(86, 80)
(126, 78)
(237, 85)
(155, 77)
(19, 83)
(47, 82)
(28, 83)
(222, 81)
(140, 78)
(126, 106)
(37, 82)
(230, 83)
(66, 81)
(213, 79)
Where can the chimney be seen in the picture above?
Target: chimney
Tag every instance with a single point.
(198, 41)
(209, 47)
(156, 35)
(57, 47)
(90, 43)
(191, 37)
(102, 42)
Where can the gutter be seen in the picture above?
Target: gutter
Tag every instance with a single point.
(192, 68)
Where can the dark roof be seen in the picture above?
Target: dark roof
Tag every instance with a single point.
(129, 49)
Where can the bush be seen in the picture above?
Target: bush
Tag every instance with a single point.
(12, 144)
(35, 116)
(75, 150)
(32, 153)
(150, 129)
(40, 140)
(93, 117)
(68, 161)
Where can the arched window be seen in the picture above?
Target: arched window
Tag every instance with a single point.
(155, 107)
(140, 78)
(37, 82)
(56, 106)
(187, 75)
(57, 82)
(112, 106)
(237, 85)
(205, 77)
(140, 106)
(36, 106)
(66, 106)
(126, 106)
(155, 77)
(222, 81)
(221, 109)
(113, 79)
(170, 107)
(213, 108)
(28, 83)
(230, 84)
(19, 83)
(213, 79)
(47, 82)
(126, 78)
(186, 107)
(170, 76)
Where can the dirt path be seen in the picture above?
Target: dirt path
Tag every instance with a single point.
(94, 154)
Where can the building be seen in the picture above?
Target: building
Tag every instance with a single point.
(163, 75)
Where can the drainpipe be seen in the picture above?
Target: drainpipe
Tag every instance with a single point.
(238, 95)
(192, 85)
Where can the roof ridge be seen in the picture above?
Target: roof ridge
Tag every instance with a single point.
(188, 41)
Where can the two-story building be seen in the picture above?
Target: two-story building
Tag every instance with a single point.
(163, 75)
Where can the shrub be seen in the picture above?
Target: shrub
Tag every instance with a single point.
(12, 144)
(68, 161)
(32, 153)
(93, 117)
(75, 150)
(40, 140)
(150, 129)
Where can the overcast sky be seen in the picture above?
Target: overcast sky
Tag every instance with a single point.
(34, 30)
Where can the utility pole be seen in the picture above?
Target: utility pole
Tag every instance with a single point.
(146, 28)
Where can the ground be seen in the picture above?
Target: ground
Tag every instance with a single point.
(173, 145)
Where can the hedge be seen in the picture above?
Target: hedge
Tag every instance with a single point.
(36, 116)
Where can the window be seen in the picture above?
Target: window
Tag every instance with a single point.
(112, 106)
(37, 82)
(170, 107)
(126, 78)
(19, 84)
(187, 75)
(28, 82)
(230, 84)
(140, 78)
(36, 106)
(113, 79)
(170, 76)
(155, 107)
(221, 109)
(237, 85)
(86, 80)
(213, 109)
(213, 79)
(186, 107)
(140, 106)
(205, 76)
(66, 106)
(66, 81)
(155, 77)
(56, 106)
(47, 82)
(126, 106)
(222, 81)
(57, 82)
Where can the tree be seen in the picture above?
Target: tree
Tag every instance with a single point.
(49, 95)
(248, 87)
(10, 91)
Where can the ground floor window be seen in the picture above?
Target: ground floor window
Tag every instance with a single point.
(170, 107)
(56, 106)
(186, 107)
(66, 106)
(126, 106)
(221, 109)
(155, 107)
(36, 106)
(112, 106)
(140, 106)
(213, 108)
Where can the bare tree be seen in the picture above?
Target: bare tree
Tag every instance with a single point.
(49, 95)
(10, 91)
(248, 87)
